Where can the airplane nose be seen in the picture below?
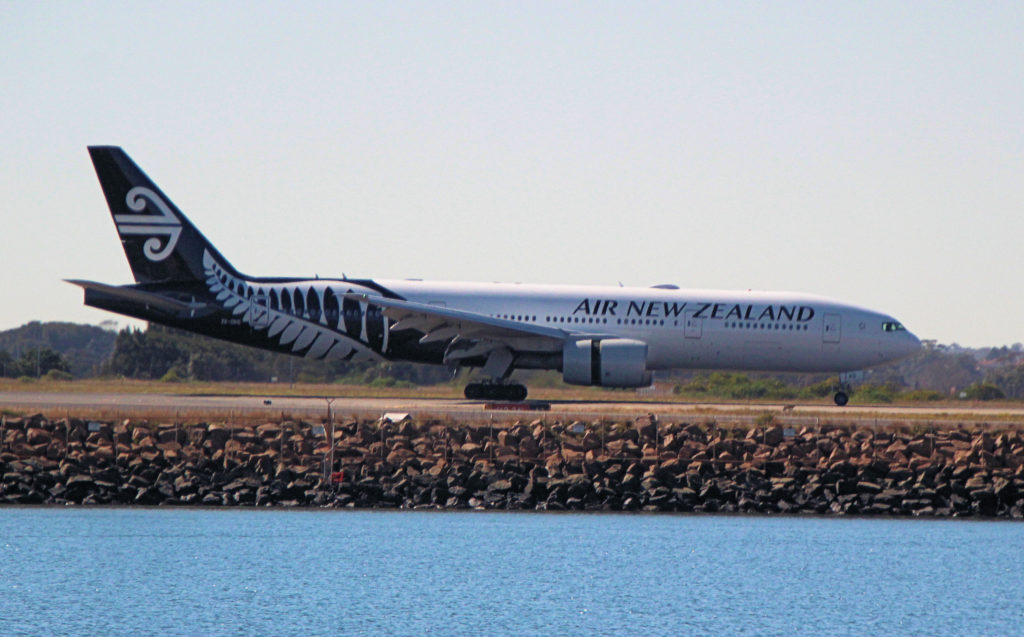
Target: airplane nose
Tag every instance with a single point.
(912, 344)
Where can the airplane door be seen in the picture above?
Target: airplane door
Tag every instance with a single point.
(692, 326)
(832, 328)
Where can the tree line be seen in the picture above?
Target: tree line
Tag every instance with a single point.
(35, 363)
(37, 349)
(161, 353)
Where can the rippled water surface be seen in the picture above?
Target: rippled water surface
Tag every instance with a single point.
(237, 572)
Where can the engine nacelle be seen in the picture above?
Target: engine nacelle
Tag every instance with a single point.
(610, 362)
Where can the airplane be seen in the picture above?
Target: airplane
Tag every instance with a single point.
(599, 336)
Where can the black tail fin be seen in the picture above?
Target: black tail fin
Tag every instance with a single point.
(160, 243)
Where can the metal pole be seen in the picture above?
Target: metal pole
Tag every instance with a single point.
(330, 416)
(329, 456)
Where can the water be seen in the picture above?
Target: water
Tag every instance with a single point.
(238, 572)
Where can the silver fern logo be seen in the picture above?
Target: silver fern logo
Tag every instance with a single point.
(317, 335)
(164, 224)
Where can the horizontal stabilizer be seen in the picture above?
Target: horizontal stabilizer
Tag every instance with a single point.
(135, 295)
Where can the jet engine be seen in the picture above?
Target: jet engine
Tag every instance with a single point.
(610, 362)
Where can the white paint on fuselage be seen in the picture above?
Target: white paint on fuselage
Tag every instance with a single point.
(727, 329)
(743, 340)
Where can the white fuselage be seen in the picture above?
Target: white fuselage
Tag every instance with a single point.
(707, 329)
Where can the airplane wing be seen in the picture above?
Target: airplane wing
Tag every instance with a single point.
(478, 334)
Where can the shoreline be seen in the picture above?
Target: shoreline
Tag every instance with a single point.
(923, 471)
(442, 511)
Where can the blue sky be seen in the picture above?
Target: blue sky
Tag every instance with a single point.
(872, 152)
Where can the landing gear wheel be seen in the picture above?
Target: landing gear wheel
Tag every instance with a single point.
(516, 393)
(474, 391)
(841, 398)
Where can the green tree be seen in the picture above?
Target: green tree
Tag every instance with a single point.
(37, 362)
(1010, 381)
(7, 364)
(983, 391)
(156, 351)
(84, 347)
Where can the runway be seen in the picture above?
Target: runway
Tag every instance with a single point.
(248, 408)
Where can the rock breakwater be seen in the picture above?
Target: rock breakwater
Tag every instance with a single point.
(628, 466)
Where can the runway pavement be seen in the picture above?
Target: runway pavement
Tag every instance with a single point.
(192, 407)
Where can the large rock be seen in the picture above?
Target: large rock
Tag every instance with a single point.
(528, 447)
(138, 432)
(400, 456)
(984, 442)
(170, 434)
(591, 440)
(55, 450)
(865, 486)
(79, 485)
(13, 423)
(647, 428)
(921, 447)
(37, 436)
(774, 435)
(216, 437)
(500, 486)
(977, 482)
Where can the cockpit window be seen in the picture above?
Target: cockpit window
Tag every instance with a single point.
(892, 326)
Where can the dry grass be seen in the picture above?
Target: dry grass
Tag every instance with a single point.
(317, 390)
(450, 391)
(619, 404)
(203, 388)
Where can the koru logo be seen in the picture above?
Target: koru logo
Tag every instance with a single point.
(164, 224)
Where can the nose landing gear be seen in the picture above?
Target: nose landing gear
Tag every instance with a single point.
(842, 391)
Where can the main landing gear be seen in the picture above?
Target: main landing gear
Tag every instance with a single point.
(497, 369)
(496, 391)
